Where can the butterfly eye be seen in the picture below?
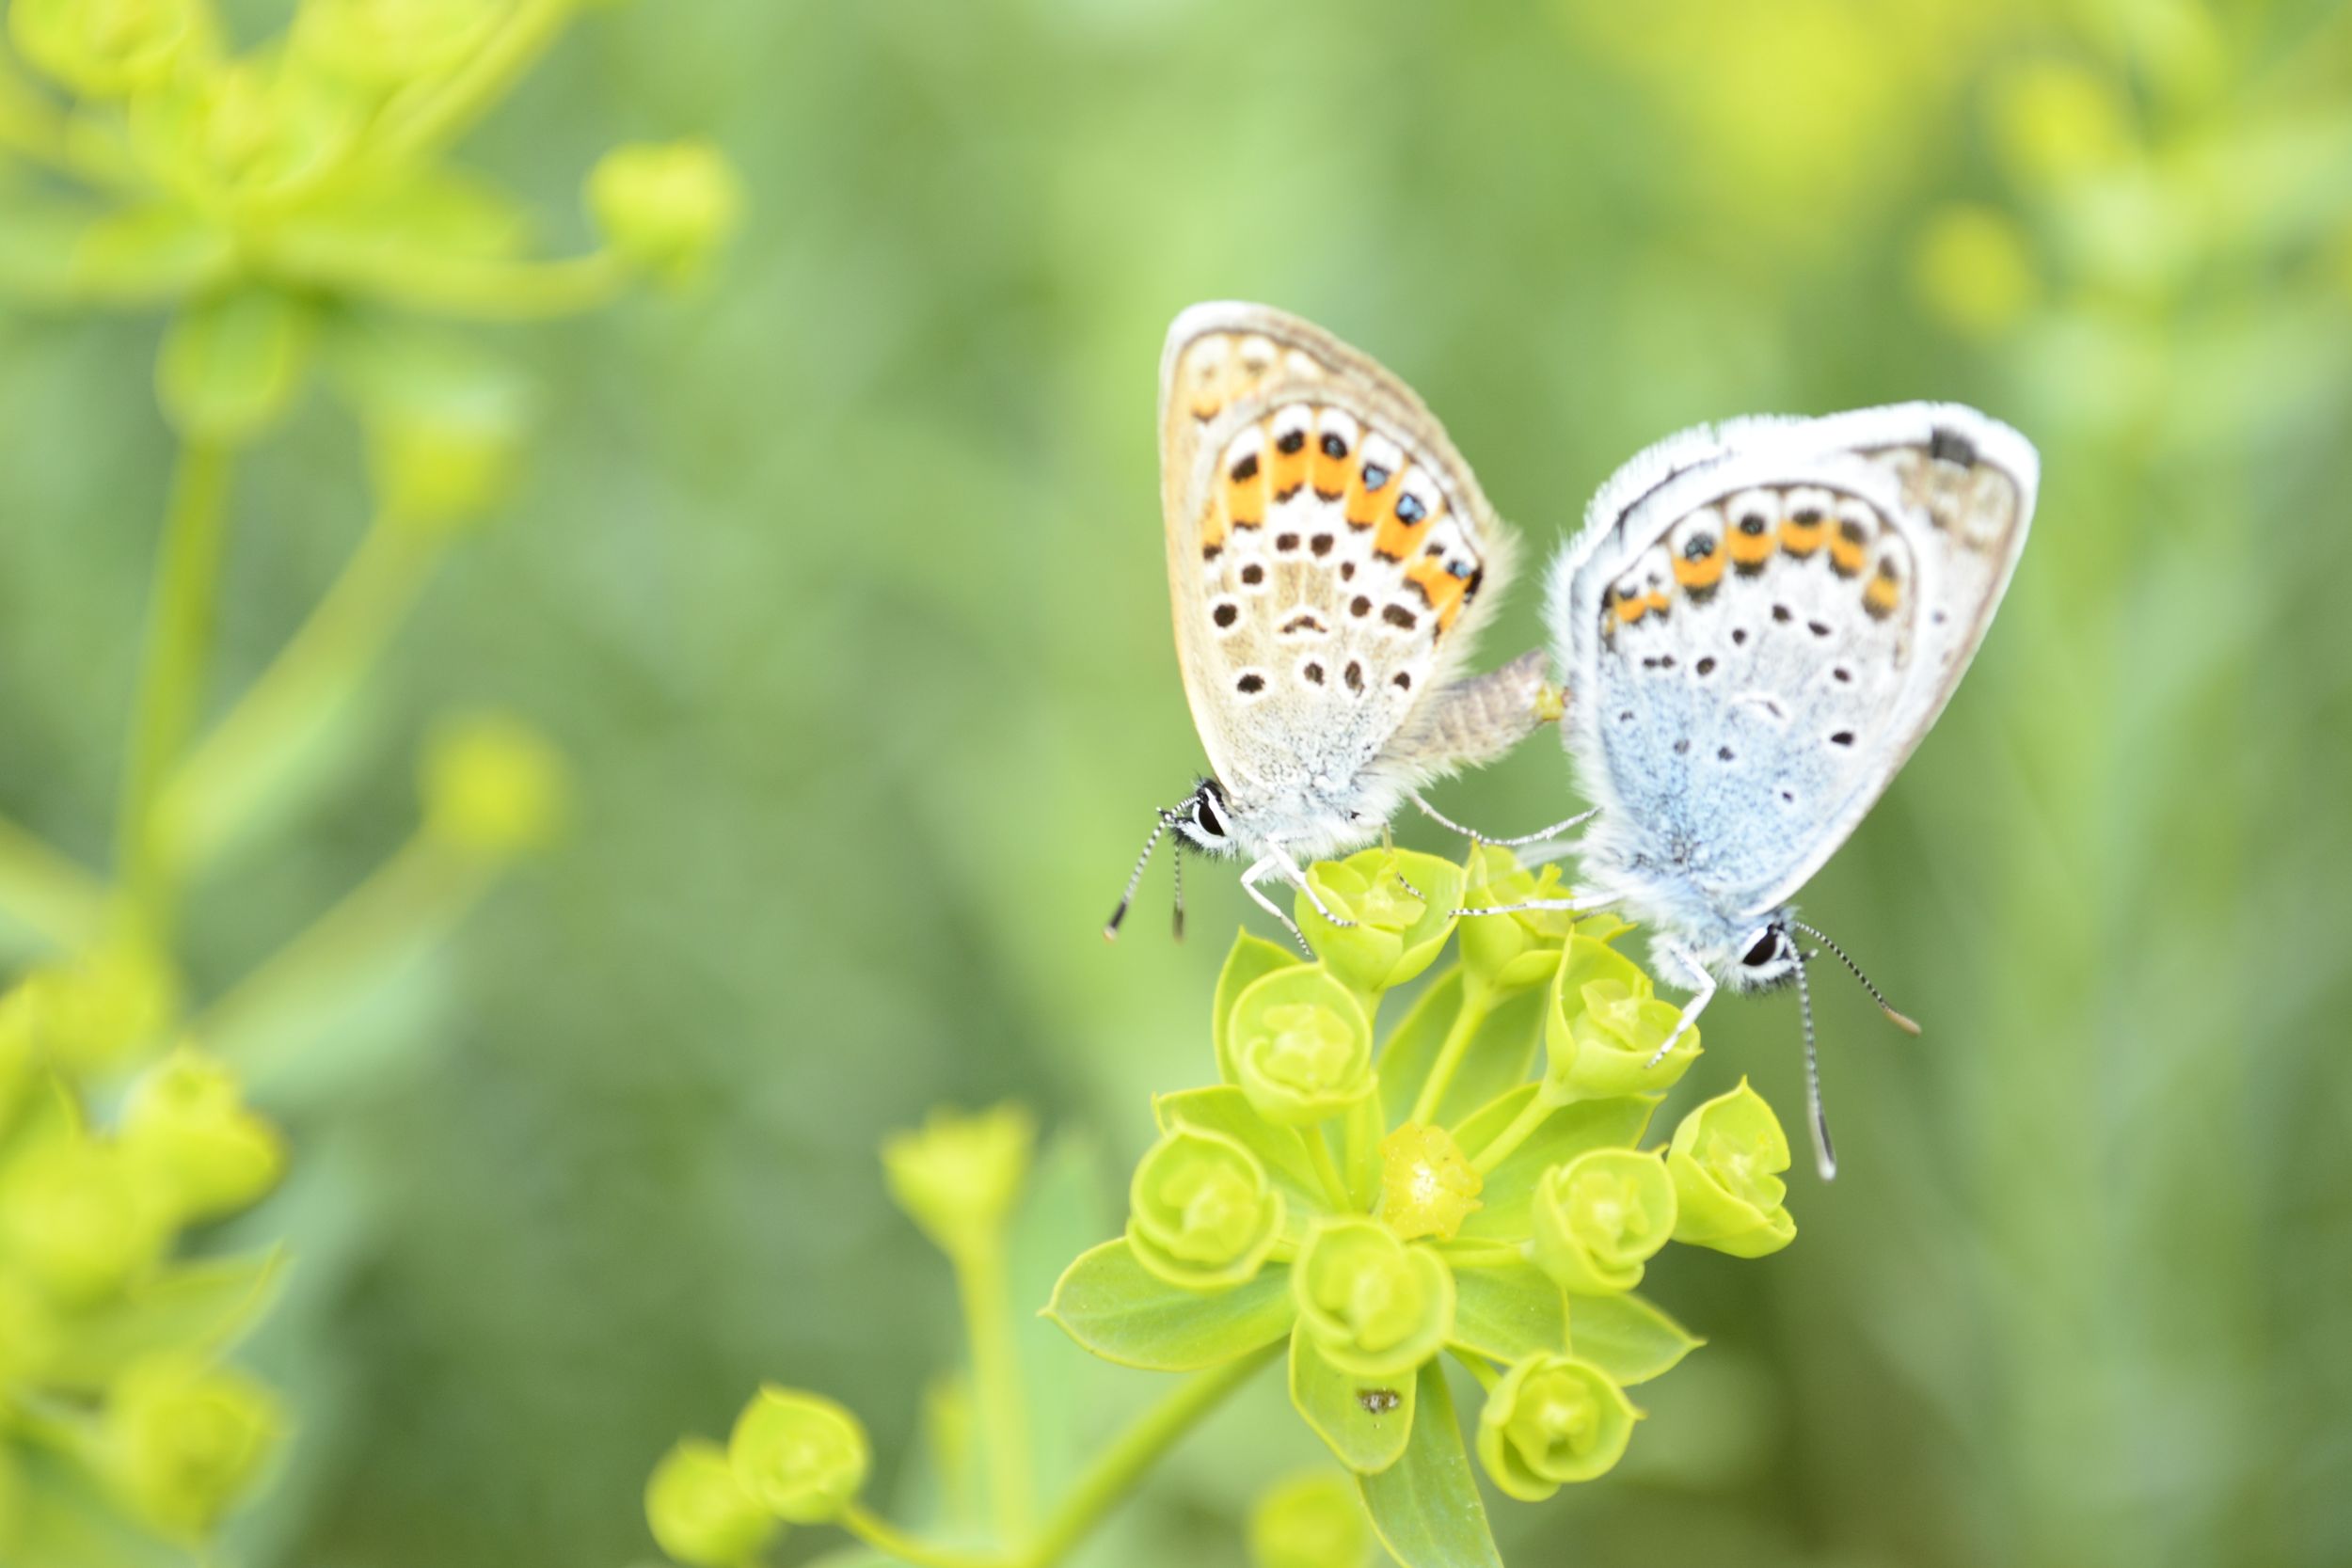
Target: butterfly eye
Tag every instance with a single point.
(1205, 814)
(1766, 949)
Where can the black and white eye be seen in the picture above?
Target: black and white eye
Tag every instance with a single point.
(1769, 948)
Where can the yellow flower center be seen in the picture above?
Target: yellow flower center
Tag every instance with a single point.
(1307, 1046)
(1426, 1187)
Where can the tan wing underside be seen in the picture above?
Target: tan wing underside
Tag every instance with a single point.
(1330, 556)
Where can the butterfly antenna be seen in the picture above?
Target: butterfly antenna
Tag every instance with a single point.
(1901, 1021)
(1177, 924)
(1111, 927)
(1824, 1154)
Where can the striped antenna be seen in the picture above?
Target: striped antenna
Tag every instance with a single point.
(1110, 927)
(1900, 1020)
(1824, 1155)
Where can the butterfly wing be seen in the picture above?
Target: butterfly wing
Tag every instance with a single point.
(1330, 557)
(1760, 623)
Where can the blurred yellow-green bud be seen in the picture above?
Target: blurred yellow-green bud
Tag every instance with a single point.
(108, 48)
(1972, 270)
(1550, 1421)
(958, 1176)
(1398, 929)
(75, 1217)
(1509, 952)
(386, 43)
(184, 1442)
(1375, 1306)
(666, 209)
(188, 1132)
(28, 1333)
(1598, 1218)
(250, 133)
(493, 786)
(1603, 1024)
(1301, 1045)
(90, 1013)
(800, 1456)
(2055, 122)
(1725, 1160)
(700, 1513)
(1426, 1187)
(1202, 1213)
(1311, 1521)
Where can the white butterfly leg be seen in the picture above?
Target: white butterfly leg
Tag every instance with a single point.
(1539, 836)
(1282, 857)
(1264, 866)
(1581, 905)
(1388, 842)
(1705, 984)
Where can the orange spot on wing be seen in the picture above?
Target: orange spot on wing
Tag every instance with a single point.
(1290, 468)
(1331, 474)
(1245, 497)
(1213, 529)
(1750, 549)
(1800, 537)
(1400, 538)
(1442, 589)
(1846, 554)
(1701, 574)
(1363, 507)
(1656, 602)
(1631, 610)
(1881, 596)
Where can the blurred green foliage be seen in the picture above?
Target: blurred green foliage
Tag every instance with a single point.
(840, 582)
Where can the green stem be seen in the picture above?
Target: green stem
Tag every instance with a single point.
(1507, 1142)
(1480, 1254)
(53, 897)
(452, 108)
(171, 677)
(1363, 1151)
(889, 1540)
(232, 773)
(468, 287)
(996, 1389)
(1477, 1001)
(1479, 1367)
(1319, 1155)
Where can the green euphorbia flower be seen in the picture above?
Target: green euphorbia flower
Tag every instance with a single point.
(1374, 1305)
(957, 1177)
(1301, 1045)
(76, 1217)
(1426, 1187)
(1399, 930)
(700, 1513)
(667, 209)
(108, 48)
(1598, 1218)
(493, 786)
(1202, 1213)
(1725, 1162)
(1550, 1421)
(1311, 1521)
(185, 1441)
(800, 1455)
(1509, 952)
(248, 135)
(188, 1132)
(386, 43)
(1602, 1023)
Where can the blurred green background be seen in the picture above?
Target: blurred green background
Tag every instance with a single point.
(841, 583)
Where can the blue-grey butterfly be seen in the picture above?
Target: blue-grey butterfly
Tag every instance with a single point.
(1756, 625)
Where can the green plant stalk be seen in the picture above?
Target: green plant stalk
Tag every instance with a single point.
(171, 677)
(226, 776)
(1477, 1002)
(1318, 1151)
(1507, 1142)
(996, 1389)
(1104, 1485)
(482, 81)
(58, 900)
(1362, 1144)
(1479, 1368)
(470, 287)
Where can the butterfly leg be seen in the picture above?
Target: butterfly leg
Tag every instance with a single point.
(1582, 904)
(1264, 866)
(1701, 980)
(1388, 842)
(1540, 835)
(1282, 857)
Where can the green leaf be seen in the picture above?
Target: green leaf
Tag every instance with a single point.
(1626, 1337)
(1226, 1110)
(1507, 1310)
(1500, 1053)
(204, 1308)
(231, 365)
(1425, 1506)
(1365, 1421)
(1411, 1050)
(1569, 1131)
(1123, 1312)
(1250, 959)
(67, 1517)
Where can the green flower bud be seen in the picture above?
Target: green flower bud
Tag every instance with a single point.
(1552, 1419)
(109, 48)
(1301, 1045)
(666, 209)
(1601, 1027)
(188, 1134)
(700, 1514)
(87, 1014)
(1311, 1521)
(800, 1456)
(1376, 1307)
(1203, 1213)
(1426, 1187)
(959, 1177)
(386, 43)
(1398, 930)
(1726, 1160)
(184, 1442)
(1598, 1218)
(1509, 952)
(493, 788)
(251, 133)
(77, 1219)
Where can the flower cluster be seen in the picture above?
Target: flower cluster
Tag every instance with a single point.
(112, 1395)
(1486, 1185)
